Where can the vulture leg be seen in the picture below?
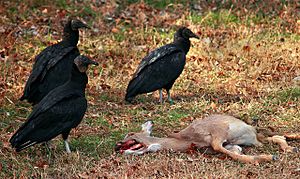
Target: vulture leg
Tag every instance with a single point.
(67, 146)
(160, 96)
(48, 145)
(65, 137)
(169, 97)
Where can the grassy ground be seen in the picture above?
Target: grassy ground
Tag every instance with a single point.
(243, 65)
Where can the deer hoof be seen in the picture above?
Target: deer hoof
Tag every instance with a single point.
(275, 157)
(295, 149)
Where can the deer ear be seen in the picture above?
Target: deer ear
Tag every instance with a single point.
(129, 134)
(147, 127)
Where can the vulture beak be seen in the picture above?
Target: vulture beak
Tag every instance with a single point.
(77, 24)
(194, 36)
(92, 62)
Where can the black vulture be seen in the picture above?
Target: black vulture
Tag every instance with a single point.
(58, 112)
(53, 65)
(159, 69)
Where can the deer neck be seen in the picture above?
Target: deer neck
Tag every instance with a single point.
(168, 143)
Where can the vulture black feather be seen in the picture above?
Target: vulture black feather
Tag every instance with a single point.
(58, 112)
(159, 69)
(53, 65)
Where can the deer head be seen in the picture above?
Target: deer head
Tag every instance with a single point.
(140, 142)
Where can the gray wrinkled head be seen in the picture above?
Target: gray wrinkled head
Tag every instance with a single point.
(185, 33)
(77, 24)
(71, 30)
(82, 62)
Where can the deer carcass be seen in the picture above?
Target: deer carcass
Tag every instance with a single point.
(225, 134)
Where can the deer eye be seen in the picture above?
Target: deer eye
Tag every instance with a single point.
(130, 134)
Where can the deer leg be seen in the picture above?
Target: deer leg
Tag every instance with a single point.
(281, 141)
(134, 152)
(217, 146)
(295, 136)
(234, 148)
(160, 96)
(153, 148)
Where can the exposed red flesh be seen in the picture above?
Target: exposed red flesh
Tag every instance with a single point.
(136, 146)
(126, 145)
(130, 145)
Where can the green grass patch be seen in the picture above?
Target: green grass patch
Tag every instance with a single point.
(92, 145)
(61, 4)
(86, 11)
(99, 146)
(177, 115)
(195, 18)
(287, 95)
(160, 4)
(98, 122)
(218, 18)
(11, 114)
(170, 118)
(255, 19)
(119, 37)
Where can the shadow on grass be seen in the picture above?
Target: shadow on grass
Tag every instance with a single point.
(117, 96)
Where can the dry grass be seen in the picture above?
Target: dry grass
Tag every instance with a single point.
(243, 65)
